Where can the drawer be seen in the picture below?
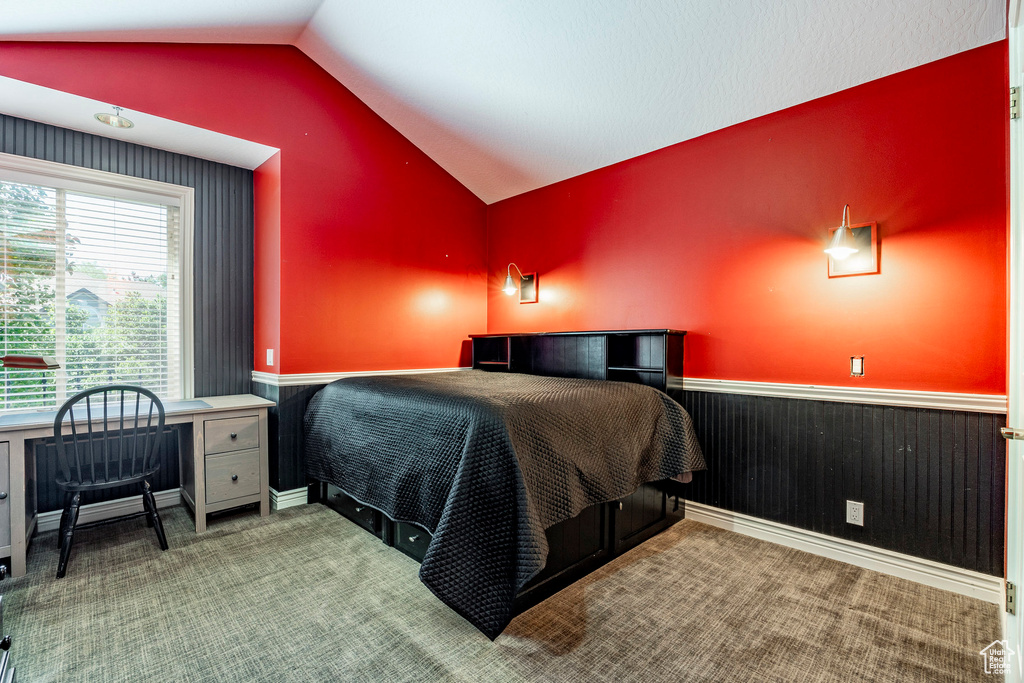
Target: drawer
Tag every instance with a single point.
(411, 540)
(232, 476)
(231, 434)
(348, 507)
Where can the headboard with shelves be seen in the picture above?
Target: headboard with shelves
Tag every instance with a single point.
(651, 357)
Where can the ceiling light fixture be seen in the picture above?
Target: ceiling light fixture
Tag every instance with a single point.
(115, 120)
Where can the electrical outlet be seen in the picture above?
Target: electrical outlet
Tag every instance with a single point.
(270, 357)
(854, 513)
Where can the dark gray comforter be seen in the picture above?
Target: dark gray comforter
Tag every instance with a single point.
(487, 461)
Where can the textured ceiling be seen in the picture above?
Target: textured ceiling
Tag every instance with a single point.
(513, 95)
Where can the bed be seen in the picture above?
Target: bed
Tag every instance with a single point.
(482, 467)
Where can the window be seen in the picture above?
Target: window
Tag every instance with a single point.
(94, 272)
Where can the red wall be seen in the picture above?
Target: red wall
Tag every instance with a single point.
(380, 254)
(723, 236)
(266, 181)
(376, 256)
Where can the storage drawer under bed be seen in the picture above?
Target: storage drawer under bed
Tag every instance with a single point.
(411, 540)
(351, 509)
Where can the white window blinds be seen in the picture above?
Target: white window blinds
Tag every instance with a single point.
(94, 281)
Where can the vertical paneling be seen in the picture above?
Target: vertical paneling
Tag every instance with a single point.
(287, 469)
(931, 480)
(223, 258)
(223, 248)
(47, 469)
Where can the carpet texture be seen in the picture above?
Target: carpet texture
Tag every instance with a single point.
(305, 595)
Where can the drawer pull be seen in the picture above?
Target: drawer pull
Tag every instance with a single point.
(413, 539)
(620, 505)
(234, 435)
(234, 477)
(360, 508)
(3, 495)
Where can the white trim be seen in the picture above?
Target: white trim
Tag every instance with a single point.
(279, 500)
(50, 521)
(26, 170)
(328, 377)
(935, 574)
(981, 403)
(186, 292)
(1013, 625)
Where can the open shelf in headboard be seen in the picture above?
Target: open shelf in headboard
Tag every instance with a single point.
(651, 357)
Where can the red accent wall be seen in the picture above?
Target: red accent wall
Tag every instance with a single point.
(381, 252)
(266, 180)
(723, 236)
(376, 257)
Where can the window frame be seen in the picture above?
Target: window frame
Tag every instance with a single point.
(26, 170)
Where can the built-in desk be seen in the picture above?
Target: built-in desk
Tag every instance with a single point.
(223, 465)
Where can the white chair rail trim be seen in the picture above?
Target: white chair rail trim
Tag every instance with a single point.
(979, 403)
(328, 377)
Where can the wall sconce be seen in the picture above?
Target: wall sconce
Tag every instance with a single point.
(852, 249)
(527, 285)
(842, 244)
(28, 362)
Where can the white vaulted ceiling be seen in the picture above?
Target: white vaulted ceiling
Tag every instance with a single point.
(512, 95)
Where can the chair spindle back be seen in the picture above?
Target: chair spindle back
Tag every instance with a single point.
(130, 415)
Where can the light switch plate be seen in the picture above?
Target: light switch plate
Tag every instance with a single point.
(856, 366)
(270, 357)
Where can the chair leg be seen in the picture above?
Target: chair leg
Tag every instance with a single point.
(67, 533)
(65, 513)
(152, 516)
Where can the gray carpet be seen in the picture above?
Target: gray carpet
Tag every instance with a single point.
(304, 595)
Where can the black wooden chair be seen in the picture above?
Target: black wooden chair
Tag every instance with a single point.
(113, 442)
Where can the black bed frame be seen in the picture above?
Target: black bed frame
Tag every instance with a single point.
(601, 532)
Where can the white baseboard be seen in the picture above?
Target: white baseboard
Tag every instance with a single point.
(935, 574)
(279, 500)
(50, 521)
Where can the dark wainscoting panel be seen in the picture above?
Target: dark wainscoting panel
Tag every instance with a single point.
(47, 468)
(932, 481)
(270, 393)
(223, 237)
(287, 460)
(223, 250)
